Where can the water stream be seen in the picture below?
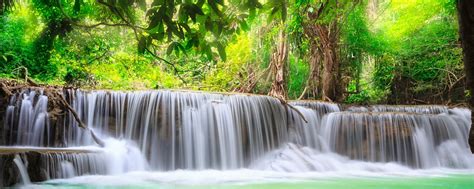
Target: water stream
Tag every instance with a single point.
(187, 137)
(25, 179)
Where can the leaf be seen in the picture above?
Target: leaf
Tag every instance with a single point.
(181, 48)
(157, 2)
(195, 9)
(283, 12)
(158, 36)
(207, 51)
(177, 31)
(189, 44)
(77, 6)
(192, 10)
(142, 4)
(244, 26)
(274, 10)
(213, 5)
(169, 31)
(258, 4)
(221, 50)
(151, 11)
(283, 15)
(176, 47)
(153, 23)
(278, 5)
(252, 14)
(185, 26)
(208, 24)
(171, 47)
(142, 44)
(194, 41)
(220, 27)
(200, 3)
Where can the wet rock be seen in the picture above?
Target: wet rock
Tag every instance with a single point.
(9, 174)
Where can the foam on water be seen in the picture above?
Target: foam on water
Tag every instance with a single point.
(291, 163)
(294, 158)
(242, 176)
(123, 156)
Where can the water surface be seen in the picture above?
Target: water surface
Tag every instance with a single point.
(266, 179)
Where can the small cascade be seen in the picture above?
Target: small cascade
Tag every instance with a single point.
(411, 139)
(27, 120)
(58, 165)
(67, 170)
(320, 107)
(188, 130)
(307, 132)
(117, 157)
(25, 179)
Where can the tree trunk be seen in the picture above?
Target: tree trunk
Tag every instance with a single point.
(466, 28)
(323, 61)
(330, 73)
(313, 83)
(279, 67)
(328, 45)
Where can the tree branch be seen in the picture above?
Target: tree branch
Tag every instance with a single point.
(175, 69)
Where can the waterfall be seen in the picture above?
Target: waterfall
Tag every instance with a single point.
(171, 130)
(411, 139)
(25, 179)
(188, 130)
(27, 120)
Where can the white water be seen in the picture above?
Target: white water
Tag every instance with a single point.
(31, 118)
(25, 179)
(245, 176)
(123, 156)
(251, 137)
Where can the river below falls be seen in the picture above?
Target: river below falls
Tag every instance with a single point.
(244, 178)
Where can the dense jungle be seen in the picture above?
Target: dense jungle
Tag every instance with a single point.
(364, 52)
(237, 94)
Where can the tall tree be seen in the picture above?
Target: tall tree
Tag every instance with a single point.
(279, 67)
(466, 28)
(279, 58)
(57, 24)
(321, 21)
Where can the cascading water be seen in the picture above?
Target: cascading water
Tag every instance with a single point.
(184, 130)
(166, 130)
(27, 120)
(25, 179)
(410, 139)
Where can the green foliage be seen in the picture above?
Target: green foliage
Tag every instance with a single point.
(227, 75)
(203, 26)
(17, 31)
(222, 45)
(422, 48)
(5, 5)
(298, 76)
(100, 59)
